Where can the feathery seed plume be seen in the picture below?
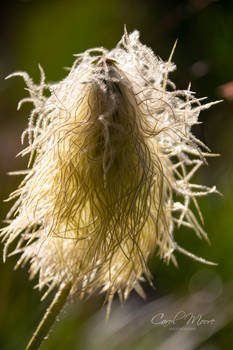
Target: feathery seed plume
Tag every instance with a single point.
(110, 150)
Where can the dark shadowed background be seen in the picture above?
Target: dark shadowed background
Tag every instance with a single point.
(49, 32)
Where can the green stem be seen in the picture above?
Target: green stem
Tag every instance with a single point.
(49, 318)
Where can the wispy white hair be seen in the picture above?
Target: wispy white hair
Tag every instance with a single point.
(109, 180)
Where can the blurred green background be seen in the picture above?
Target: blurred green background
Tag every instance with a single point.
(49, 32)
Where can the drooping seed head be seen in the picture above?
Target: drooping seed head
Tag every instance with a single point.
(110, 150)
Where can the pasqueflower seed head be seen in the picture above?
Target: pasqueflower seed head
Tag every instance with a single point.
(109, 177)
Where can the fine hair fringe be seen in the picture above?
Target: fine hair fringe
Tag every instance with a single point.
(110, 150)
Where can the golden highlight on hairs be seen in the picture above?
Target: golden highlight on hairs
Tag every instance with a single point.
(109, 176)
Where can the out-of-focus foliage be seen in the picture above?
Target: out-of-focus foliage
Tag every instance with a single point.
(49, 32)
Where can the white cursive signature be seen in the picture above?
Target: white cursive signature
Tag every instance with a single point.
(183, 319)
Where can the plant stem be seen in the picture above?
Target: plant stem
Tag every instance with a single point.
(49, 318)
